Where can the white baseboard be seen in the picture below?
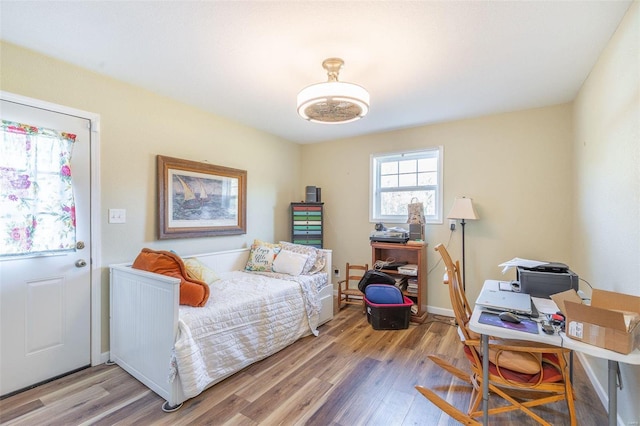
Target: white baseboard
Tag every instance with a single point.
(597, 386)
(440, 311)
(603, 394)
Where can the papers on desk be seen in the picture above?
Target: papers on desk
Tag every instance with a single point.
(545, 306)
(516, 261)
(505, 285)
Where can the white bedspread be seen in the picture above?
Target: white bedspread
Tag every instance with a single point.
(247, 318)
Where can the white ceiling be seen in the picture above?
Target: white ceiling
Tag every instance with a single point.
(422, 61)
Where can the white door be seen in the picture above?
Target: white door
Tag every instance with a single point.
(45, 299)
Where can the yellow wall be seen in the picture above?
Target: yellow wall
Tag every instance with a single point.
(515, 166)
(606, 152)
(137, 125)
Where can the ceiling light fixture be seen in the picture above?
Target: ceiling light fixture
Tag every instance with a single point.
(333, 102)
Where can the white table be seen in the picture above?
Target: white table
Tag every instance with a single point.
(560, 340)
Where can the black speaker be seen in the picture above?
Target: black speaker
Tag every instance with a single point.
(318, 195)
(311, 194)
(415, 231)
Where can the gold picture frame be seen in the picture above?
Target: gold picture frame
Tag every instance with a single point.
(199, 199)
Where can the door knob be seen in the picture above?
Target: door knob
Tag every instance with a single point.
(81, 263)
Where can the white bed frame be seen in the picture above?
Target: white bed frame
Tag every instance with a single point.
(144, 320)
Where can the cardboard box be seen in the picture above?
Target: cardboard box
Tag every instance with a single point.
(612, 321)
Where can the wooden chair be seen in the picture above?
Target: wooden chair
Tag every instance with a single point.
(550, 384)
(350, 292)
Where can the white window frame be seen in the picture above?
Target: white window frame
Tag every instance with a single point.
(375, 190)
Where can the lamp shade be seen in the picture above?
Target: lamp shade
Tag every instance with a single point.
(463, 209)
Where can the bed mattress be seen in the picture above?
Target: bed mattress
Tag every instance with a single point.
(248, 317)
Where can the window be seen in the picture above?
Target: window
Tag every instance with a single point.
(37, 207)
(399, 177)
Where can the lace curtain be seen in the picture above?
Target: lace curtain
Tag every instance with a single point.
(37, 208)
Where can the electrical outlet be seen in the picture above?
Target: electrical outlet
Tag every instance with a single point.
(452, 224)
(336, 272)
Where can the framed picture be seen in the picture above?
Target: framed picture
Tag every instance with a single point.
(200, 200)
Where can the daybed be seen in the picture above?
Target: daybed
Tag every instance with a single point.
(178, 351)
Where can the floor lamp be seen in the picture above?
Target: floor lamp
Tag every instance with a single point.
(463, 210)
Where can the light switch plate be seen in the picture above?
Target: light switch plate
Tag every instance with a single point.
(117, 216)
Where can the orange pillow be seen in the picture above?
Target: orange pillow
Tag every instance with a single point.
(192, 292)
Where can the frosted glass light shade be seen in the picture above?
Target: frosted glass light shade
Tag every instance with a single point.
(333, 102)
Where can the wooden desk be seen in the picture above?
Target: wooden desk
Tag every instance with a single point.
(560, 340)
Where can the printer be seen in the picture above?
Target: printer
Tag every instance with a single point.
(545, 280)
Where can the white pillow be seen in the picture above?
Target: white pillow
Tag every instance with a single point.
(288, 262)
(310, 251)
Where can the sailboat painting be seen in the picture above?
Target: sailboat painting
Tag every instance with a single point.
(201, 199)
(190, 200)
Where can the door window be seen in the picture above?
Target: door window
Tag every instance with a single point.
(37, 207)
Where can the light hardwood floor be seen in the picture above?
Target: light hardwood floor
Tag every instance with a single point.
(349, 375)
